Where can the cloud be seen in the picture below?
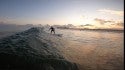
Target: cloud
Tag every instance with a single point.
(114, 12)
(88, 25)
(102, 21)
(109, 23)
(119, 24)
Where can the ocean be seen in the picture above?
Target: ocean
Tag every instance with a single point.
(90, 50)
(94, 50)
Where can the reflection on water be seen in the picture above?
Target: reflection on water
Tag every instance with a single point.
(106, 39)
(93, 50)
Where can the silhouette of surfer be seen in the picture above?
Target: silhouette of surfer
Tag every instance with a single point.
(52, 30)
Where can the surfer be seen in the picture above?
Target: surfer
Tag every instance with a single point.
(52, 29)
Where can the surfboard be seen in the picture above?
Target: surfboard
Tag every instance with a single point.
(60, 35)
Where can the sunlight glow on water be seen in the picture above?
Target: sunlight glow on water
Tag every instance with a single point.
(104, 39)
(94, 50)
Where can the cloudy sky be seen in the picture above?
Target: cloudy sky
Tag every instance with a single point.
(100, 13)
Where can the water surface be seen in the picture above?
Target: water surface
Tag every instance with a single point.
(94, 50)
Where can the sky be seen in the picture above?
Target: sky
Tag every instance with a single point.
(91, 13)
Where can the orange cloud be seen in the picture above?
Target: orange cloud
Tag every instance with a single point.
(102, 21)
